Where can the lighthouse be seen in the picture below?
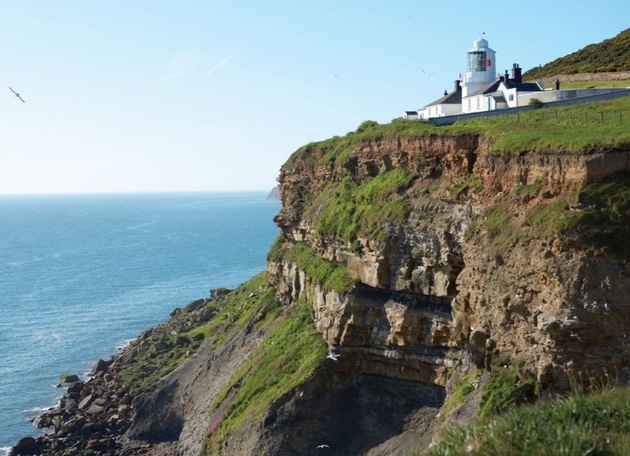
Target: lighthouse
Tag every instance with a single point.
(480, 67)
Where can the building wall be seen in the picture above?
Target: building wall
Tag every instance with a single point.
(549, 96)
(440, 110)
(525, 107)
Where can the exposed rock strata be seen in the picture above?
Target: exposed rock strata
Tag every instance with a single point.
(437, 294)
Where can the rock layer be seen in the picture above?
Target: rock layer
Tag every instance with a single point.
(441, 292)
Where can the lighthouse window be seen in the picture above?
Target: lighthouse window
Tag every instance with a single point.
(477, 61)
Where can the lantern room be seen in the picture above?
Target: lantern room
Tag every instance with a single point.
(480, 67)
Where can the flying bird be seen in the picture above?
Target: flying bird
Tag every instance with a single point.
(333, 356)
(323, 446)
(17, 94)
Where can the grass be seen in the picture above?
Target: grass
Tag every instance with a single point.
(348, 210)
(604, 204)
(507, 387)
(597, 424)
(609, 55)
(331, 276)
(595, 84)
(461, 390)
(602, 125)
(573, 128)
(599, 221)
(178, 338)
(289, 356)
(471, 183)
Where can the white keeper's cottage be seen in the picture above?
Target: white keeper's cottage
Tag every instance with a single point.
(480, 89)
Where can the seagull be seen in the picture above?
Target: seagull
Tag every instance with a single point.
(323, 446)
(17, 94)
(574, 336)
(333, 356)
(427, 73)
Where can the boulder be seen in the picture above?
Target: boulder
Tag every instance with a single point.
(218, 293)
(69, 378)
(26, 446)
(100, 366)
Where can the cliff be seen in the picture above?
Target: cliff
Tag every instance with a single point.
(407, 263)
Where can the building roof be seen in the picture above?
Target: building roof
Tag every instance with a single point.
(523, 86)
(489, 88)
(451, 98)
(519, 86)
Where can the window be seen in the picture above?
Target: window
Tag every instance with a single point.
(511, 97)
(477, 61)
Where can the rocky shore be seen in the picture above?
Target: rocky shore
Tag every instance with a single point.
(93, 415)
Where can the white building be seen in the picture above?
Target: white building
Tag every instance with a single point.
(505, 92)
(480, 67)
(480, 89)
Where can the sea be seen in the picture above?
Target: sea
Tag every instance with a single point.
(82, 275)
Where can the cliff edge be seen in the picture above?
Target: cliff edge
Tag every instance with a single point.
(407, 264)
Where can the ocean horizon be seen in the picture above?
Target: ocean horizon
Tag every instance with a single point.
(83, 274)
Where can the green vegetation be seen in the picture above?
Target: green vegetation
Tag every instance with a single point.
(471, 183)
(338, 148)
(171, 342)
(603, 204)
(575, 128)
(598, 424)
(253, 300)
(331, 276)
(349, 210)
(507, 387)
(581, 216)
(595, 84)
(584, 126)
(460, 392)
(287, 357)
(608, 56)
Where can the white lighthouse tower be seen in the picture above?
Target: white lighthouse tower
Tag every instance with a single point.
(480, 67)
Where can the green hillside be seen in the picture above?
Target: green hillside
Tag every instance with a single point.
(611, 55)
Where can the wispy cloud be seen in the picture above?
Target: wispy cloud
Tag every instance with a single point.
(221, 64)
(225, 61)
(182, 64)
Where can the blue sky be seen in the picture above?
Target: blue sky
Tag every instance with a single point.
(128, 96)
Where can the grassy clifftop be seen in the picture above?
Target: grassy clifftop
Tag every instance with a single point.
(610, 55)
(600, 125)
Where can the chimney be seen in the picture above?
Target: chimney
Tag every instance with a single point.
(445, 93)
(516, 73)
(458, 87)
(506, 78)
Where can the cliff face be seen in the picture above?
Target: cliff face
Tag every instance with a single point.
(457, 259)
(520, 289)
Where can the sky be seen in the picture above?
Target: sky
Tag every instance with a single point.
(186, 96)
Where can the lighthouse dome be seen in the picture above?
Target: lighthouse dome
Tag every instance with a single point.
(480, 45)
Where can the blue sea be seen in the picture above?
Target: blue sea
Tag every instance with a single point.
(82, 275)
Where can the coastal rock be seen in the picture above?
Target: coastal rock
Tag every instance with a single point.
(69, 378)
(26, 446)
(450, 289)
